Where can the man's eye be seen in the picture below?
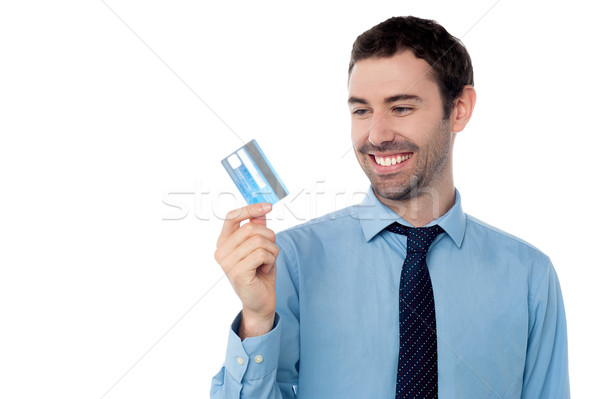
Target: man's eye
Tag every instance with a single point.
(360, 112)
(401, 110)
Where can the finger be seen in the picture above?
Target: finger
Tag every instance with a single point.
(234, 217)
(245, 270)
(244, 250)
(254, 243)
(266, 268)
(261, 258)
(227, 245)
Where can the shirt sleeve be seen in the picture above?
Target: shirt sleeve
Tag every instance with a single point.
(546, 367)
(264, 367)
(250, 366)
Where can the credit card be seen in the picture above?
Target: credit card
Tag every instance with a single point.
(254, 175)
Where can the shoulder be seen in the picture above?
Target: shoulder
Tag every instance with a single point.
(479, 227)
(497, 243)
(327, 227)
(328, 221)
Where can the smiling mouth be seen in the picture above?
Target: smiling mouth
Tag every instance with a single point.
(389, 160)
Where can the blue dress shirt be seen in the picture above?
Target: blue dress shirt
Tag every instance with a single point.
(500, 317)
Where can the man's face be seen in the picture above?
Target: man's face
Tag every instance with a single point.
(399, 135)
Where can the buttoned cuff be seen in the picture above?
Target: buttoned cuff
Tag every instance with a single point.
(254, 358)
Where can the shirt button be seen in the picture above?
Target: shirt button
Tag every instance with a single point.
(240, 360)
(258, 359)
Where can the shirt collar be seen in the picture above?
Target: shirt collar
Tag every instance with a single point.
(374, 216)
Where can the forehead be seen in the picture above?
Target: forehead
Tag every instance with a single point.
(403, 73)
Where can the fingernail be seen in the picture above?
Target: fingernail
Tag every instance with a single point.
(266, 206)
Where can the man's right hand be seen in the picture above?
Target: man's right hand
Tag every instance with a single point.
(247, 255)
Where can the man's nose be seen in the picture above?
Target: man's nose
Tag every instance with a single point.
(381, 129)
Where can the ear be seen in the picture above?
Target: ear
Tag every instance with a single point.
(463, 109)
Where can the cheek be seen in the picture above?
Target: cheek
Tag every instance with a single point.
(420, 130)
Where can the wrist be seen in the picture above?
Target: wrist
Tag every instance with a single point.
(253, 325)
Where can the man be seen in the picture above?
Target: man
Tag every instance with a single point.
(403, 295)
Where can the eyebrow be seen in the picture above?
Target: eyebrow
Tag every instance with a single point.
(387, 100)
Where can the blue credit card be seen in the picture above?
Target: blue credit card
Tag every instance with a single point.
(254, 175)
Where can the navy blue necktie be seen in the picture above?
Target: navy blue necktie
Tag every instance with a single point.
(417, 361)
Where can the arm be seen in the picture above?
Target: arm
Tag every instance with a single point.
(546, 367)
(277, 374)
(255, 367)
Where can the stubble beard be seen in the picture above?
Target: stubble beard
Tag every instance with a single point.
(431, 163)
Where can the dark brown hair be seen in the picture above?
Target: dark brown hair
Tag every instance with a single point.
(449, 60)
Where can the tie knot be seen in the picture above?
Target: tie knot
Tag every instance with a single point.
(419, 239)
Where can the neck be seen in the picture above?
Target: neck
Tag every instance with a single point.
(424, 205)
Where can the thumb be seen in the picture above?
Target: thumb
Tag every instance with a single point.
(260, 220)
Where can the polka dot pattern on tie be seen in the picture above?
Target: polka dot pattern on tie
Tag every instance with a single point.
(417, 359)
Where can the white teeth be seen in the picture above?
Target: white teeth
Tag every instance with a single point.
(391, 161)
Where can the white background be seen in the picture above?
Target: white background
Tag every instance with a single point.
(102, 296)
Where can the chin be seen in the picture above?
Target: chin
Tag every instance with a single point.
(394, 192)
